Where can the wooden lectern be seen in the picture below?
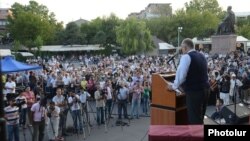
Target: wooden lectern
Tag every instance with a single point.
(167, 108)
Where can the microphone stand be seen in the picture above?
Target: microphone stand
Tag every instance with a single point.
(172, 59)
(234, 99)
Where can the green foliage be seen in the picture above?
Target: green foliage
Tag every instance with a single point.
(198, 19)
(243, 26)
(133, 36)
(204, 6)
(30, 21)
(101, 30)
(72, 34)
(38, 43)
(16, 46)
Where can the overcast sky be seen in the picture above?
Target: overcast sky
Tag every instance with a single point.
(70, 10)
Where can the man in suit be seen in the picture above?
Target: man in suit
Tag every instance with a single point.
(192, 76)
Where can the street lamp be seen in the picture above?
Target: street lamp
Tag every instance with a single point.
(179, 30)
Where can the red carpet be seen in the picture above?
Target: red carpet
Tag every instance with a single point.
(176, 133)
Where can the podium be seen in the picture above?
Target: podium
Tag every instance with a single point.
(167, 108)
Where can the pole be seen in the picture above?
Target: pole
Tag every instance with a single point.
(179, 30)
(234, 99)
(2, 119)
(178, 36)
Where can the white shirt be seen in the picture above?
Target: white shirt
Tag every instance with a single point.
(109, 96)
(39, 112)
(59, 100)
(55, 113)
(83, 97)
(53, 82)
(10, 87)
(232, 86)
(182, 70)
(75, 104)
(66, 80)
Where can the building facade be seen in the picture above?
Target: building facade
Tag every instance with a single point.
(153, 10)
(4, 13)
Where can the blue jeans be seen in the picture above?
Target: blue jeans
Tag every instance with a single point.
(76, 114)
(145, 105)
(22, 119)
(100, 115)
(62, 120)
(135, 108)
(122, 105)
(108, 108)
(13, 130)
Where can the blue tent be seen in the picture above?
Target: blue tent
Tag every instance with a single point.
(8, 65)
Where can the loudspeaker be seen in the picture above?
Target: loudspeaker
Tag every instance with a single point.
(229, 116)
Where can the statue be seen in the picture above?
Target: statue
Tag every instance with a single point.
(227, 25)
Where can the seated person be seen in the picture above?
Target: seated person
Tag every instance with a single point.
(219, 105)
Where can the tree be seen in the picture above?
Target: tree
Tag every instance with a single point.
(100, 38)
(101, 30)
(195, 23)
(30, 21)
(108, 27)
(204, 6)
(38, 44)
(133, 36)
(72, 34)
(16, 46)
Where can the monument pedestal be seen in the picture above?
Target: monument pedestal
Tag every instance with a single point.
(223, 44)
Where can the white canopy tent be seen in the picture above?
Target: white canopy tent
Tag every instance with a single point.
(165, 46)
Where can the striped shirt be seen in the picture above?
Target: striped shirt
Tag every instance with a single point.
(12, 115)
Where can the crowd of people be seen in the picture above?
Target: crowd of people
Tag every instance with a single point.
(66, 84)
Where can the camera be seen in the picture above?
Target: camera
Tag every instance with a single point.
(51, 109)
(19, 102)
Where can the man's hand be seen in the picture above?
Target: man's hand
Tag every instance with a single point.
(170, 88)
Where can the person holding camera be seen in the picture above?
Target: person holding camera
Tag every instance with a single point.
(38, 117)
(109, 100)
(84, 95)
(225, 88)
(53, 112)
(74, 102)
(136, 100)
(12, 118)
(100, 104)
(30, 97)
(122, 97)
(21, 102)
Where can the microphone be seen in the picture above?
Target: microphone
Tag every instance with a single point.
(172, 58)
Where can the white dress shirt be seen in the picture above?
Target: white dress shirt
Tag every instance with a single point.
(74, 102)
(83, 96)
(182, 70)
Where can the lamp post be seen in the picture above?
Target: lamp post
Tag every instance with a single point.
(179, 30)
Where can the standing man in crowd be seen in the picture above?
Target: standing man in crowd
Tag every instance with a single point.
(74, 102)
(192, 74)
(53, 112)
(10, 86)
(60, 101)
(122, 97)
(30, 97)
(100, 105)
(12, 118)
(39, 116)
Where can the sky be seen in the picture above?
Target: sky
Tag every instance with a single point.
(71, 10)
